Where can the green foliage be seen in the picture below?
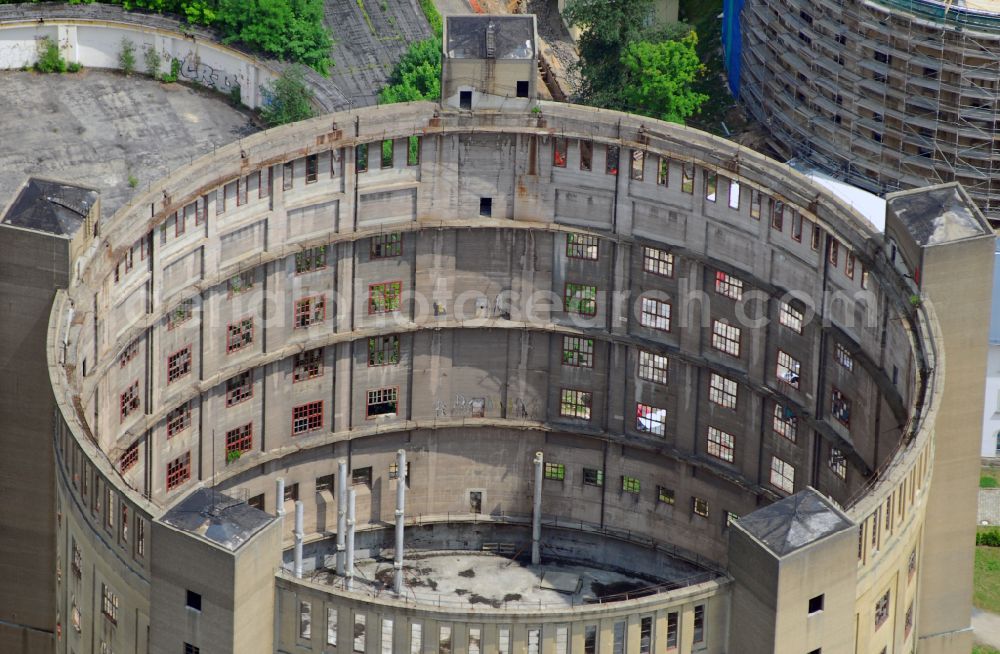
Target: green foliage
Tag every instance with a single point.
(988, 537)
(433, 17)
(74, 67)
(175, 70)
(49, 58)
(287, 29)
(986, 580)
(232, 455)
(658, 78)
(609, 26)
(133, 181)
(236, 95)
(287, 99)
(984, 649)
(152, 60)
(126, 56)
(290, 30)
(364, 12)
(417, 75)
(987, 481)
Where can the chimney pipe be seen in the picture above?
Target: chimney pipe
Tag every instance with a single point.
(341, 513)
(536, 517)
(400, 504)
(299, 512)
(351, 497)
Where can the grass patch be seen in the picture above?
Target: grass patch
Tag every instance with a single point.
(702, 15)
(989, 477)
(433, 17)
(984, 649)
(986, 593)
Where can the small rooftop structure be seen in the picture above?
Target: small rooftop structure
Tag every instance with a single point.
(217, 518)
(490, 37)
(937, 214)
(795, 522)
(50, 206)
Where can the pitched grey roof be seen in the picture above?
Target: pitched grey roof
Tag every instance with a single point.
(795, 522)
(51, 207)
(217, 517)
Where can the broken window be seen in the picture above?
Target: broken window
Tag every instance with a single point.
(586, 155)
(611, 159)
(382, 402)
(720, 444)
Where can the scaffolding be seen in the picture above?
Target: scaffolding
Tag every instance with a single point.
(884, 94)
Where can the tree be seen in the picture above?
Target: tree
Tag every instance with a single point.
(609, 27)
(417, 76)
(658, 78)
(288, 99)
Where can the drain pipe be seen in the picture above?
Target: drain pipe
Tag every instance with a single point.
(299, 513)
(350, 538)
(536, 517)
(400, 503)
(341, 513)
(279, 497)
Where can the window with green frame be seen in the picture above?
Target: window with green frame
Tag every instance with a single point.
(581, 299)
(665, 495)
(630, 484)
(556, 471)
(593, 477)
(578, 352)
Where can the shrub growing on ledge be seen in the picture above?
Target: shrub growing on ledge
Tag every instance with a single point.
(49, 58)
(287, 99)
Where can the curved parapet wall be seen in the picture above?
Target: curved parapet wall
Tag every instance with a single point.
(885, 94)
(686, 329)
(91, 35)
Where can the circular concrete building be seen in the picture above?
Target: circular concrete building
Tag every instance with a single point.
(887, 95)
(616, 386)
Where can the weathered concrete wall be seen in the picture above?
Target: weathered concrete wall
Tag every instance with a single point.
(482, 316)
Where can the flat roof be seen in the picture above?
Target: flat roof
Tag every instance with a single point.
(218, 518)
(485, 580)
(794, 522)
(990, 6)
(513, 37)
(937, 214)
(49, 206)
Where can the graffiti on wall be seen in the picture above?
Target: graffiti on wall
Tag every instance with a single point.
(193, 69)
(481, 407)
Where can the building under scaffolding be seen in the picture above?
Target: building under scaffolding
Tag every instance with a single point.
(886, 94)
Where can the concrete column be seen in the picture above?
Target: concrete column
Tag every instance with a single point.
(299, 512)
(341, 513)
(351, 497)
(279, 497)
(536, 515)
(400, 503)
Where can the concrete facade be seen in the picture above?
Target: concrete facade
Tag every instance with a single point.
(482, 364)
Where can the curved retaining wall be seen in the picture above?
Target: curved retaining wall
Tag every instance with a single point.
(492, 227)
(92, 34)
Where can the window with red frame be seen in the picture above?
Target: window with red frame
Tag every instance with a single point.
(239, 388)
(309, 311)
(130, 457)
(239, 440)
(178, 364)
(383, 350)
(178, 471)
(178, 419)
(385, 297)
(728, 285)
(307, 417)
(129, 400)
(239, 335)
(307, 365)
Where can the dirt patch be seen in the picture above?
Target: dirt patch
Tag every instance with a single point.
(468, 574)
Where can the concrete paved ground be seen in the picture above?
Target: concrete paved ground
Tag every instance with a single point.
(365, 50)
(987, 627)
(96, 128)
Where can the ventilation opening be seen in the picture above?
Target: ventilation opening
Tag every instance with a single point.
(522, 89)
(816, 604)
(465, 99)
(486, 207)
